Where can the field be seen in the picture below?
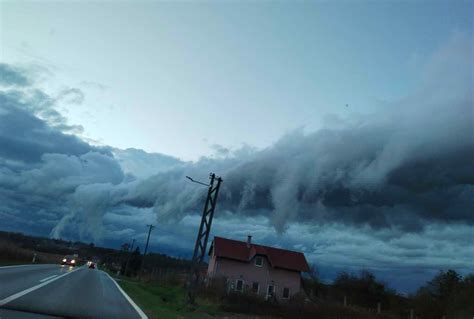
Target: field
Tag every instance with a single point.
(12, 254)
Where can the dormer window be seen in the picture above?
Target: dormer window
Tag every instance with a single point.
(258, 261)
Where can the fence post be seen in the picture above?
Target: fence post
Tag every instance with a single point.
(411, 314)
(379, 307)
(345, 301)
(34, 258)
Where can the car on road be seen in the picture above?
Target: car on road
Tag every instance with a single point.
(91, 265)
(69, 260)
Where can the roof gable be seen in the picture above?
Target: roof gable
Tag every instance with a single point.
(279, 258)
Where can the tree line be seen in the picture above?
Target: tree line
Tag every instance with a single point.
(447, 295)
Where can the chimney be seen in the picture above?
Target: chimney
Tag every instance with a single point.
(249, 241)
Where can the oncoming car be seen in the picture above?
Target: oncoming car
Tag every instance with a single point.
(69, 260)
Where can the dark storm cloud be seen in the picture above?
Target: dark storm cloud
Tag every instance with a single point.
(335, 175)
(406, 167)
(42, 168)
(12, 76)
(25, 137)
(30, 124)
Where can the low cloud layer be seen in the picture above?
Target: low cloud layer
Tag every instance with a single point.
(407, 166)
(402, 171)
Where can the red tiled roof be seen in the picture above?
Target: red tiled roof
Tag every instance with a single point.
(238, 250)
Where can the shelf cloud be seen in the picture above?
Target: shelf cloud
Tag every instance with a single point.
(402, 169)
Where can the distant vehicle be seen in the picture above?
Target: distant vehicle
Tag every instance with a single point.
(91, 265)
(69, 260)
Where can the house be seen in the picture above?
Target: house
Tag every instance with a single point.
(263, 270)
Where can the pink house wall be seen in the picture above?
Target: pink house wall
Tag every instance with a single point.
(249, 273)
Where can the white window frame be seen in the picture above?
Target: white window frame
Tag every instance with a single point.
(258, 287)
(283, 293)
(259, 258)
(236, 285)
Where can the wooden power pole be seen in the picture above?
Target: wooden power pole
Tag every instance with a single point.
(150, 228)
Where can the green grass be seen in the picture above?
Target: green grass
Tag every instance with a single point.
(167, 302)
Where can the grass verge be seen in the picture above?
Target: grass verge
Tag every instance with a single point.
(167, 302)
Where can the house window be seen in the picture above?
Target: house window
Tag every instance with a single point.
(239, 285)
(258, 261)
(286, 293)
(270, 290)
(255, 287)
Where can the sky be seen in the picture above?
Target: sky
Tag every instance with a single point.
(342, 129)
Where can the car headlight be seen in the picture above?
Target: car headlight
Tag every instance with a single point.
(73, 261)
(64, 260)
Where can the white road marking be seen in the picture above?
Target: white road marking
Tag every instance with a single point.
(26, 291)
(134, 305)
(47, 278)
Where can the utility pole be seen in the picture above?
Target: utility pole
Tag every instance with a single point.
(128, 259)
(150, 227)
(203, 234)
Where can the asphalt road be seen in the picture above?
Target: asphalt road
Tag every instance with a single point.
(54, 291)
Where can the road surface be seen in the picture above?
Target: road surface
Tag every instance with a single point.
(54, 291)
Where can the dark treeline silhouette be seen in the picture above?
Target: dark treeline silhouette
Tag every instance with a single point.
(151, 267)
(448, 295)
(17, 247)
(54, 246)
